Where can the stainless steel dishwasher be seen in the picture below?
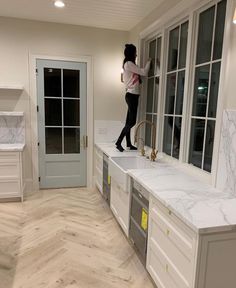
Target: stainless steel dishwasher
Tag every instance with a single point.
(106, 185)
(138, 232)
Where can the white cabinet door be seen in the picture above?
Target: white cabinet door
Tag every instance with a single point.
(171, 248)
(120, 201)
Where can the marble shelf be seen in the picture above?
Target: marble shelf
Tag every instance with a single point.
(11, 87)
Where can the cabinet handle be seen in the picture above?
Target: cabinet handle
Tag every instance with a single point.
(140, 195)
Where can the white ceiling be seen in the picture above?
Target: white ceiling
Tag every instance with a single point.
(111, 14)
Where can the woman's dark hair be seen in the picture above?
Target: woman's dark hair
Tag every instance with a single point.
(129, 53)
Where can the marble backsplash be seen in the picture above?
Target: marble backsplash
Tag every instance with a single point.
(12, 128)
(226, 174)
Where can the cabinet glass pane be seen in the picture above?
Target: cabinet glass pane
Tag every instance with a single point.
(150, 95)
(71, 112)
(219, 30)
(148, 131)
(152, 55)
(156, 94)
(205, 32)
(180, 93)
(196, 142)
(71, 83)
(170, 93)
(173, 49)
(71, 140)
(177, 134)
(167, 139)
(53, 112)
(215, 77)
(52, 82)
(210, 134)
(53, 140)
(201, 91)
(183, 45)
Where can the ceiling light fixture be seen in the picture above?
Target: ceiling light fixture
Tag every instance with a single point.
(59, 4)
(234, 19)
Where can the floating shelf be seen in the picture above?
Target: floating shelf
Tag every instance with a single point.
(11, 87)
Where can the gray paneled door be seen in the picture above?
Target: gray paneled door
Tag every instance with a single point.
(61, 92)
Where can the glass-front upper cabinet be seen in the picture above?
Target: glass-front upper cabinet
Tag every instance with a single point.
(211, 24)
(174, 90)
(152, 95)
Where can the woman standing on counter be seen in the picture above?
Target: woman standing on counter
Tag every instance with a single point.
(132, 81)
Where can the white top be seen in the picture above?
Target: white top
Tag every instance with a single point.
(131, 76)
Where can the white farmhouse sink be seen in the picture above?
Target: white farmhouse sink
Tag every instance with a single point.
(119, 166)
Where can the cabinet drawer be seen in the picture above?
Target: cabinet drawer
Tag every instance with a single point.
(181, 265)
(10, 169)
(159, 271)
(9, 157)
(176, 231)
(9, 188)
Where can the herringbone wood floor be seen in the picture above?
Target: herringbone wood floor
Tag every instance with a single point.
(65, 238)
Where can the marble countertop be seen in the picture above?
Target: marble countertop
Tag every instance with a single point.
(202, 207)
(110, 150)
(12, 147)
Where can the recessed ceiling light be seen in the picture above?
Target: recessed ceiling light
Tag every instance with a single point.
(59, 4)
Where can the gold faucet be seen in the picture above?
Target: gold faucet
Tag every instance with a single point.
(154, 152)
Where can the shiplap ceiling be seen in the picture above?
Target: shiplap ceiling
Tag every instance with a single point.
(111, 14)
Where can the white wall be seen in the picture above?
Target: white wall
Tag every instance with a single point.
(21, 38)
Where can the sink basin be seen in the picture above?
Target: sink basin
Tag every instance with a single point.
(119, 166)
(132, 162)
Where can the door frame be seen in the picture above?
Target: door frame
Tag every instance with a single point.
(34, 117)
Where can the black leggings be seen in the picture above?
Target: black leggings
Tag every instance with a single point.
(132, 102)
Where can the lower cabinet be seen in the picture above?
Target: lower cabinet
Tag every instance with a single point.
(11, 175)
(120, 202)
(178, 257)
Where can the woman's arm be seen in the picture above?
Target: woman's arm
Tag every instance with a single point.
(130, 66)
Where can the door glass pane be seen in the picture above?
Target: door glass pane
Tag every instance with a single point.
(215, 77)
(156, 94)
(150, 95)
(173, 49)
(201, 90)
(71, 140)
(52, 82)
(148, 131)
(219, 30)
(205, 32)
(53, 112)
(71, 83)
(210, 134)
(180, 93)
(53, 140)
(177, 134)
(196, 142)
(167, 139)
(183, 45)
(71, 112)
(170, 93)
(152, 52)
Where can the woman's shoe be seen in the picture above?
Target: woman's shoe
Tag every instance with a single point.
(131, 147)
(119, 147)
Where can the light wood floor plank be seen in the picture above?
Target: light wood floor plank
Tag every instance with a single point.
(66, 238)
